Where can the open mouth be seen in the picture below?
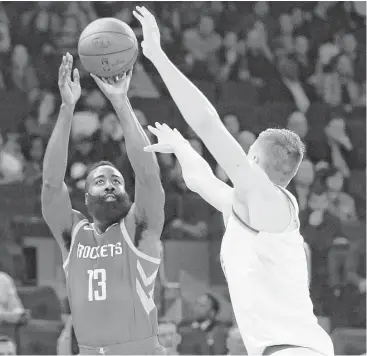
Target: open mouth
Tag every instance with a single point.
(110, 197)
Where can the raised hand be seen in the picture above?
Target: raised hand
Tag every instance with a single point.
(115, 88)
(70, 90)
(151, 44)
(168, 139)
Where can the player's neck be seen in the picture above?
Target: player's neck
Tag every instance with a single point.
(101, 226)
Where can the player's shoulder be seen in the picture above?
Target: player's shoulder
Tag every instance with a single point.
(5, 280)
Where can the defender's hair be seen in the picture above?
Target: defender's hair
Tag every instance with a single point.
(93, 167)
(284, 152)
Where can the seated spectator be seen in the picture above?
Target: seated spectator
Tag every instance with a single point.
(202, 44)
(7, 346)
(228, 58)
(339, 142)
(107, 139)
(203, 334)
(192, 213)
(234, 343)
(11, 308)
(33, 152)
(259, 57)
(303, 58)
(168, 337)
(11, 168)
(297, 122)
(246, 139)
(13, 146)
(340, 88)
(21, 73)
(300, 21)
(301, 185)
(283, 43)
(5, 39)
(232, 124)
(288, 87)
(39, 25)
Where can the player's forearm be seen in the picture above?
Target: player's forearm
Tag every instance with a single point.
(144, 164)
(56, 155)
(196, 109)
(11, 316)
(194, 167)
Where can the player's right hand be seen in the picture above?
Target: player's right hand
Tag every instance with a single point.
(151, 44)
(168, 139)
(70, 90)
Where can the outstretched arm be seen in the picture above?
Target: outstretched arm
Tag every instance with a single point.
(200, 114)
(56, 204)
(148, 208)
(196, 171)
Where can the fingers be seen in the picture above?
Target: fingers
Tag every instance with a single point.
(69, 60)
(152, 148)
(63, 70)
(138, 16)
(153, 130)
(76, 76)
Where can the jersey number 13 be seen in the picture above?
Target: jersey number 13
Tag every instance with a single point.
(96, 284)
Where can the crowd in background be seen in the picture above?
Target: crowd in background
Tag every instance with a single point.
(298, 64)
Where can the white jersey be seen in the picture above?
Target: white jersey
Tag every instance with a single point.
(268, 284)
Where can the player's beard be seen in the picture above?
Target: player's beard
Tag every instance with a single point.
(108, 212)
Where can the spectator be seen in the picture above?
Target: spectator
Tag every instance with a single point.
(300, 22)
(259, 57)
(5, 39)
(340, 88)
(11, 308)
(46, 61)
(11, 168)
(228, 58)
(301, 185)
(22, 75)
(302, 57)
(232, 124)
(287, 87)
(338, 142)
(284, 42)
(168, 337)
(234, 343)
(202, 44)
(203, 334)
(297, 123)
(246, 139)
(7, 346)
(33, 152)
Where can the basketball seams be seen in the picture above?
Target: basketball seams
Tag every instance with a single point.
(106, 54)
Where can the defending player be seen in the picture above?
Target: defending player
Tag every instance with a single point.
(262, 251)
(110, 264)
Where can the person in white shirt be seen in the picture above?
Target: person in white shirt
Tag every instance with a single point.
(262, 251)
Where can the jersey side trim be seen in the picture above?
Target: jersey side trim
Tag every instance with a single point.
(140, 254)
(73, 235)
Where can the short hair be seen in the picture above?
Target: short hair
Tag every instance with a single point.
(93, 167)
(4, 339)
(284, 152)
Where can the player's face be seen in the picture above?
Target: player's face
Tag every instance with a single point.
(167, 336)
(107, 199)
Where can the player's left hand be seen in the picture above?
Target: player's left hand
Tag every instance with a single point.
(115, 88)
(168, 139)
(151, 44)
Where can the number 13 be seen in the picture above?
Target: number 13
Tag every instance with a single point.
(99, 275)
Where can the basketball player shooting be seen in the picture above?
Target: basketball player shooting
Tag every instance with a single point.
(262, 251)
(110, 264)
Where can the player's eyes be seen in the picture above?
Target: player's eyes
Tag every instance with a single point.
(100, 181)
(117, 181)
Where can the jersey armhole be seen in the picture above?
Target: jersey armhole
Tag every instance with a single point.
(73, 236)
(130, 243)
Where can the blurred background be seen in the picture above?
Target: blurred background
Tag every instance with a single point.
(300, 65)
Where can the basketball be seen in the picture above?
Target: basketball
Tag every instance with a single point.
(108, 47)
